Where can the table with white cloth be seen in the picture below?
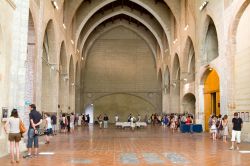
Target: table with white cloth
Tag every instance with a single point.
(129, 124)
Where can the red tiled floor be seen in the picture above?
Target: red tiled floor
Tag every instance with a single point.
(105, 147)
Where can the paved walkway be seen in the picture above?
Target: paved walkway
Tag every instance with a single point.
(149, 146)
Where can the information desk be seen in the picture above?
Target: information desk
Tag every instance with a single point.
(186, 128)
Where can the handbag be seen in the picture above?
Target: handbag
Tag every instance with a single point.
(22, 127)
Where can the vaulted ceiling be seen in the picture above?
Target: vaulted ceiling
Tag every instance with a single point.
(153, 20)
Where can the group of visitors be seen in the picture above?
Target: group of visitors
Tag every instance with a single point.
(103, 120)
(219, 128)
(67, 123)
(14, 124)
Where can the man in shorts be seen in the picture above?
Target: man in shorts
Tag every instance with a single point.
(35, 121)
(236, 132)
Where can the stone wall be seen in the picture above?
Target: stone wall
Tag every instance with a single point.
(121, 62)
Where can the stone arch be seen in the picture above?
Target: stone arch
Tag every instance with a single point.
(210, 98)
(188, 103)
(236, 20)
(63, 77)
(96, 7)
(211, 43)
(166, 81)
(127, 12)
(49, 59)
(175, 86)
(71, 85)
(189, 60)
(159, 77)
(241, 69)
(77, 89)
(114, 25)
(122, 104)
(49, 43)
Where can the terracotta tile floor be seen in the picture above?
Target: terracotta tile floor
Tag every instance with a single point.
(149, 146)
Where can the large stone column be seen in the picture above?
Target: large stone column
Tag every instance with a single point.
(17, 70)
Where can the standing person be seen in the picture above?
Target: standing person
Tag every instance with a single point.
(138, 118)
(129, 117)
(35, 121)
(100, 120)
(48, 126)
(225, 128)
(72, 122)
(116, 118)
(68, 124)
(132, 122)
(213, 129)
(105, 119)
(63, 123)
(219, 126)
(236, 132)
(54, 122)
(88, 119)
(172, 123)
(14, 134)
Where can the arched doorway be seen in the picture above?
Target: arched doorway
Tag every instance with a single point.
(211, 95)
(188, 103)
(89, 110)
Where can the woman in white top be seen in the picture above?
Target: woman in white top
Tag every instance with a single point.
(72, 122)
(48, 126)
(14, 134)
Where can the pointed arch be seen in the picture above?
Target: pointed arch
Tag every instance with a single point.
(189, 60)
(72, 85)
(211, 45)
(175, 88)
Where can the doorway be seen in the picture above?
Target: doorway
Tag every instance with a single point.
(211, 96)
(89, 110)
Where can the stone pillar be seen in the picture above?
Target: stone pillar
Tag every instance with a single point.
(17, 70)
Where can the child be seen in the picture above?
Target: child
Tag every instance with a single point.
(213, 129)
(172, 124)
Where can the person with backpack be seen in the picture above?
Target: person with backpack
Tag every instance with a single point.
(219, 126)
(35, 121)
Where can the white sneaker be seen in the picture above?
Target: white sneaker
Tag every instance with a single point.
(232, 148)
